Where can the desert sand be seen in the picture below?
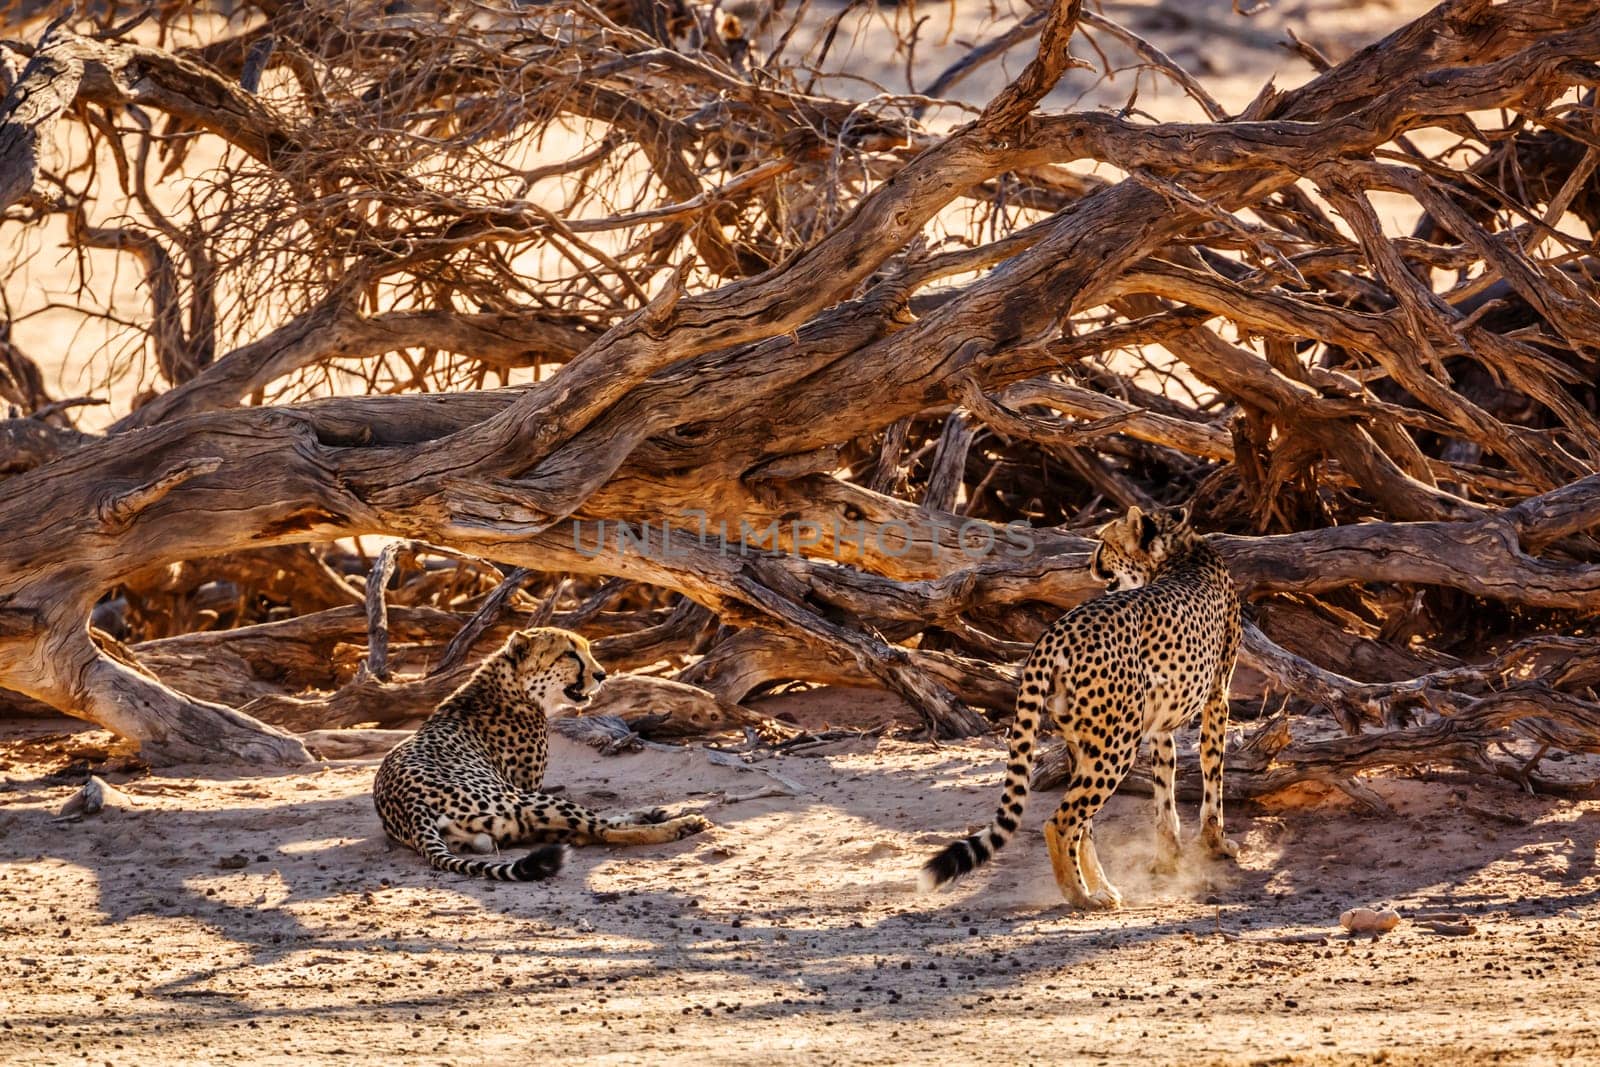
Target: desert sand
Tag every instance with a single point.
(265, 917)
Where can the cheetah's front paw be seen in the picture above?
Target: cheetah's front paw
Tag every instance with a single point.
(647, 817)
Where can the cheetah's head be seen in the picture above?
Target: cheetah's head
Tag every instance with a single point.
(553, 667)
(1134, 548)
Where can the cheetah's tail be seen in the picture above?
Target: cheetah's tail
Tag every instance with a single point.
(543, 862)
(969, 853)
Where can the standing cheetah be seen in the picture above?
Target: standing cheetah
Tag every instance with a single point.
(1138, 661)
(471, 774)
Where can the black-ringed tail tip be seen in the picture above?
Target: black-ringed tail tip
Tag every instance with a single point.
(543, 862)
(540, 864)
(954, 860)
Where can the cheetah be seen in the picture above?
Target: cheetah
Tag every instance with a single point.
(1136, 662)
(471, 773)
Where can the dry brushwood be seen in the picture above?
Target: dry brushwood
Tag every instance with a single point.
(618, 320)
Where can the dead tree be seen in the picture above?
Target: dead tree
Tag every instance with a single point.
(763, 385)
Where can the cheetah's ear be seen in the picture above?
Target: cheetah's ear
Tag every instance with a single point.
(1148, 529)
(1179, 515)
(518, 645)
(1098, 570)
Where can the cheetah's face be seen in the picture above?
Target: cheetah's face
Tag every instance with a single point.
(554, 667)
(1134, 548)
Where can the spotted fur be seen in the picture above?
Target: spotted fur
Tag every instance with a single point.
(1137, 662)
(471, 774)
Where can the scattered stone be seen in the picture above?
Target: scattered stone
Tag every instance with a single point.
(1369, 920)
(234, 862)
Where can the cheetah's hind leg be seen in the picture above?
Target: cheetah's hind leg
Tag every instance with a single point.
(1068, 832)
(1064, 860)
(1094, 875)
(543, 817)
(624, 831)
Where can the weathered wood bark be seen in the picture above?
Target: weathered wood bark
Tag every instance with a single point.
(47, 87)
(753, 395)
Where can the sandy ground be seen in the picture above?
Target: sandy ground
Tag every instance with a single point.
(791, 933)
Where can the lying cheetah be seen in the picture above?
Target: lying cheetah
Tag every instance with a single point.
(471, 774)
(1136, 662)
